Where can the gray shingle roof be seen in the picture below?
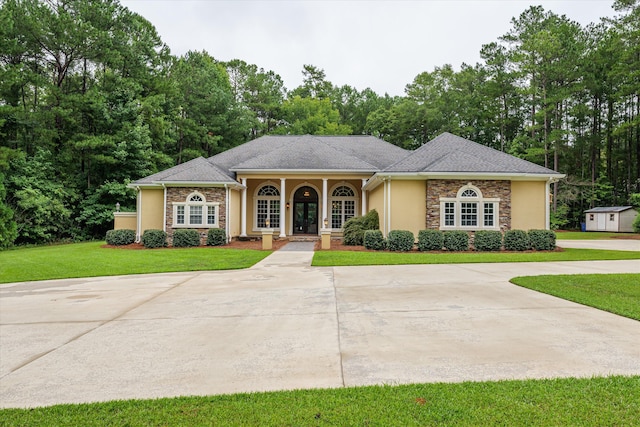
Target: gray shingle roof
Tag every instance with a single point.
(451, 153)
(309, 152)
(608, 209)
(197, 170)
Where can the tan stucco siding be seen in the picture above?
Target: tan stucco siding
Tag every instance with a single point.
(375, 200)
(408, 207)
(234, 213)
(528, 205)
(151, 209)
(125, 221)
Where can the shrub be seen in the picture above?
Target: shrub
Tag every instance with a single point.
(487, 240)
(636, 224)
(430, 240)
(216, 237)
(516, 240)
(542, 240)
(120, 237)
(154, 239)
(456, 240)
(400, 240)
(184, 238)
(353, 230)
(371, 221)
(373, 239)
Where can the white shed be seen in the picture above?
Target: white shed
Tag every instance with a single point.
(617, 219)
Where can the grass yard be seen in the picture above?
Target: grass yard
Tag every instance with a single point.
(346, 258)
(615, 293)
(611, 401)
(90, 259)
(594, 235)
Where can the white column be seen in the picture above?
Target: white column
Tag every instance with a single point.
(283, 206)
(243, 210)
(547, 212)
(364, 198)
(324, 203)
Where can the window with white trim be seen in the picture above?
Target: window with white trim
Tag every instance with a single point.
(469, 210)
(195, 212)
(267, 204)
(343, 205)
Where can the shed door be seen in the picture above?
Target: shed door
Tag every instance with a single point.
(602, 221)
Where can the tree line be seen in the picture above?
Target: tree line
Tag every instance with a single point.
(91, 99)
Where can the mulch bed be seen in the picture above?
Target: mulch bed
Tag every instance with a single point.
(235, 244)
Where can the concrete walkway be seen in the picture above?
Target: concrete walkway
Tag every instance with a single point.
(284, 325)
(613, 244)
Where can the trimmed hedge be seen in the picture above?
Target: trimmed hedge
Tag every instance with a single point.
(216, 237)
(456, 240)
(516, 240)
(400, 240)
(120, 237)
(154, 239)
(487, 240)
(353, 230)
(430, 240)
(373, 239)
(542, 240)
(183, 238)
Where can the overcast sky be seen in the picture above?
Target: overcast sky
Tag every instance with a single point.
(378, 44)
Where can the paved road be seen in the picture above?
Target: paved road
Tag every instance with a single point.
(285, 325)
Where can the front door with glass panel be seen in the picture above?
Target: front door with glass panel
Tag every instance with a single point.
(305, 211)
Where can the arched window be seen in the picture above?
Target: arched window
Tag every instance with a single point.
(195, 212)
(469, 210)
(343, 205)
(267, 206)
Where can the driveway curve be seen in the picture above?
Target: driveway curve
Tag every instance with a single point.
(285, 325)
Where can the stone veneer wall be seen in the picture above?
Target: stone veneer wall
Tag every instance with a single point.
(211, 194)
(449, 188)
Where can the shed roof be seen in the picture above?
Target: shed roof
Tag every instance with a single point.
(608, 209)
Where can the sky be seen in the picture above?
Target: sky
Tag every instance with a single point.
(382, 45)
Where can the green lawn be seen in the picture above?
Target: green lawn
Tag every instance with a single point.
(616, 293)
(90, 259)
(611, 401)
(346, 258)
(592, 235)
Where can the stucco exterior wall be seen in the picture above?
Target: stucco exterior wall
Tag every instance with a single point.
(234, 213)
(438, 188)
(212, 195)
(375, 200)
(408, 210)
(528, 205)
(125, 221)
(150, 209)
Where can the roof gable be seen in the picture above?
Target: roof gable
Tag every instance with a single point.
(451, 153)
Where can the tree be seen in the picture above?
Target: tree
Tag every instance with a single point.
(302, 116)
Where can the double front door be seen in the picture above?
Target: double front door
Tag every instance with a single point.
(305, 211)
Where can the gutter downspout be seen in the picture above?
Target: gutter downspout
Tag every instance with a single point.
(227, 227)
(164, 213)
(139, 214)
(547, 197)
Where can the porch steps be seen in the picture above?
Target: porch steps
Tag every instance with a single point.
(303, 238)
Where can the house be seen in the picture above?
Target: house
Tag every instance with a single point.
(617, 219)
(302, 184)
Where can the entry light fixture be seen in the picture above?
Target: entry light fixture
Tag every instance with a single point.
(117, 206)
(326, 223)
(288, 205)
(267, 222)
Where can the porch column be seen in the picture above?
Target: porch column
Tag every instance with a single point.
(324, 202)
(243, 210)
(283, 206)
(364, 198)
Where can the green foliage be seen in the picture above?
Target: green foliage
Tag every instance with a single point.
(183, 238)
(542, 240)
(456, 240)
(120, 237)
(354, 228)
(373, 239)
(516, 240)
(400, 240)
(559, 218)
(487, 240)
(96, 209)
(8, 227)
(310, 116)
(152, 239)
(216, 237)
(430, 240)
(634, 200)
(636, 224)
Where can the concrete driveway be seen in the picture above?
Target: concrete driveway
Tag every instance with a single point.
(285, 325)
